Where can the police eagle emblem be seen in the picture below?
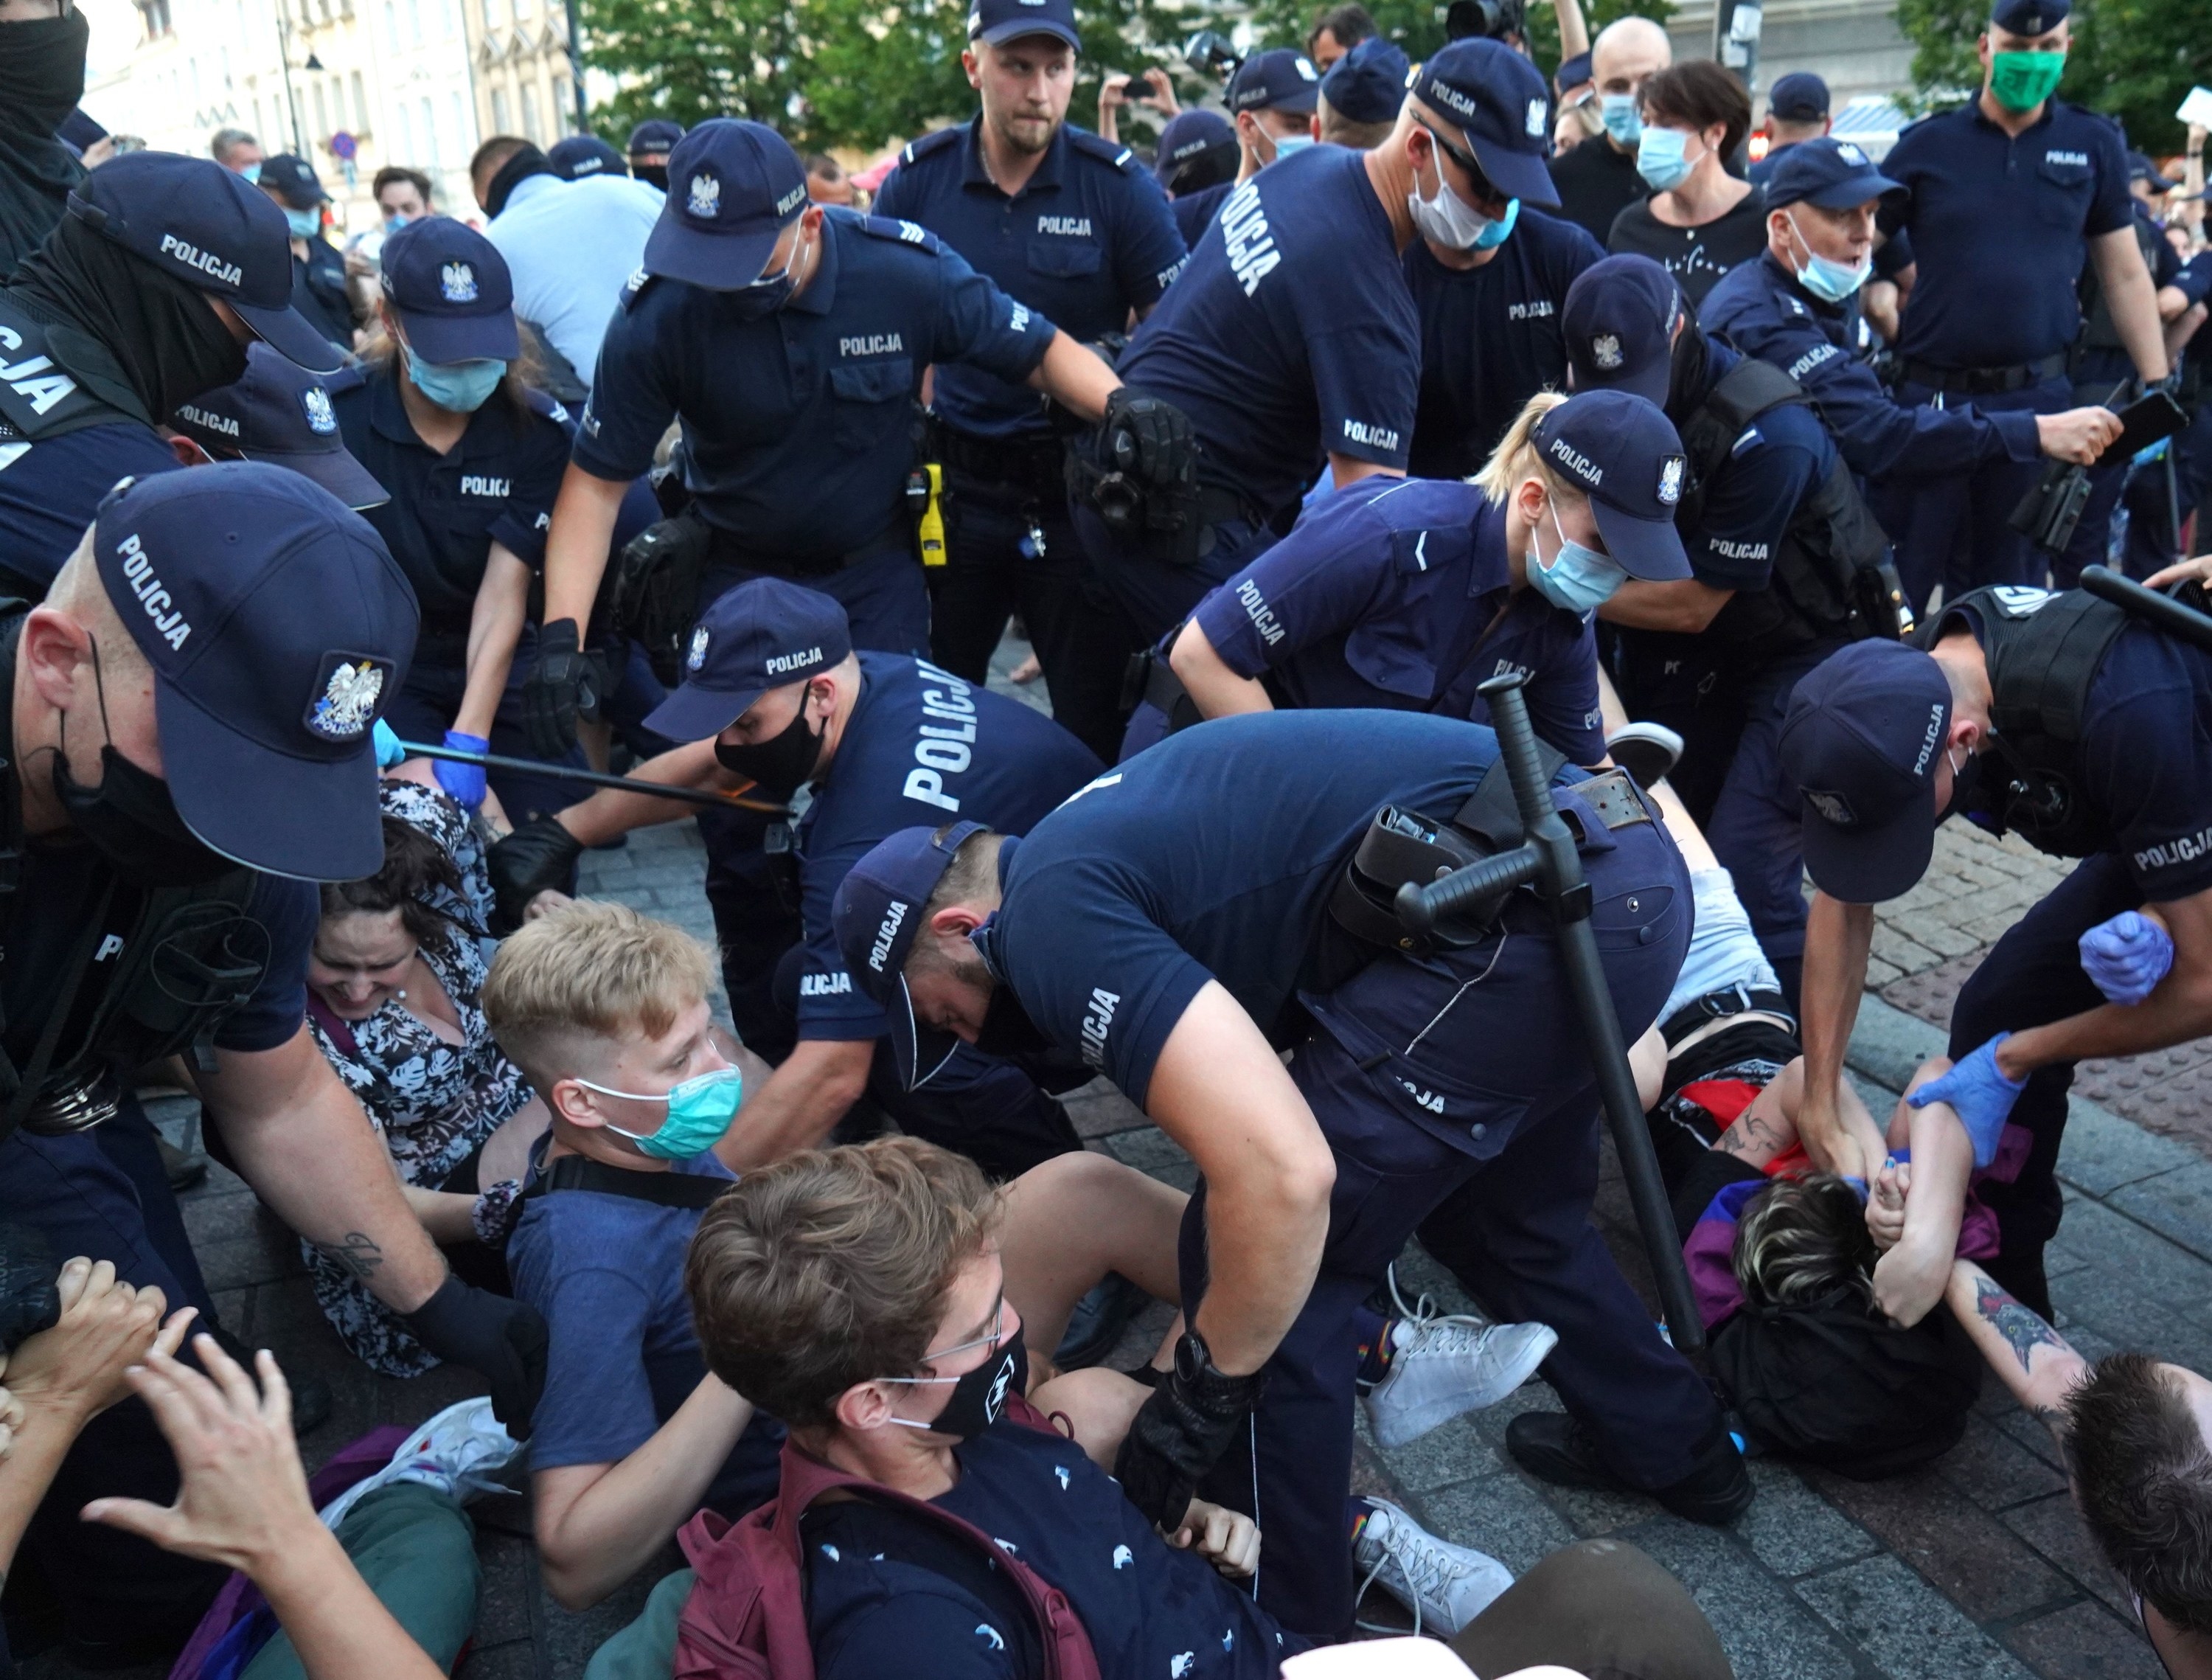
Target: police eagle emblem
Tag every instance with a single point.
(706, 199)
(459, 283)
(1832, 807)
(697, 656)
(1670, 480)
(1605, 350)
(317, 403)
(347, 705)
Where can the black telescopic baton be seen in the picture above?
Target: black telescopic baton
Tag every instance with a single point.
(2176, 617)
(626, 784)
(1549, 860)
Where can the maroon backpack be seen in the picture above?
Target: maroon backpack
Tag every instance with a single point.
(746, 1616)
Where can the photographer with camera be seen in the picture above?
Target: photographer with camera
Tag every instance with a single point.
(1154, 90)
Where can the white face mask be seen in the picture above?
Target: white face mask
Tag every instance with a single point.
(1449, 221)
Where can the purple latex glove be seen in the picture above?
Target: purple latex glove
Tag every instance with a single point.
(2127, 956)
(1979, 1095)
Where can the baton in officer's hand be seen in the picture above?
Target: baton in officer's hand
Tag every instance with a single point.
(734, 799)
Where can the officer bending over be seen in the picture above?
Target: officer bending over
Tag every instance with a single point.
(774, 693)
(280, 413)
(1290, 336)
(1179, 969)
(2062, 719)
(1777, 535)
(145, 295)
(1408, 593)
(1074, 228)
(1798, 307)
(190, 718)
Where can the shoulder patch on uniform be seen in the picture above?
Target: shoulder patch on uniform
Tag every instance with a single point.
(935, 141)
(900, 232)
(542, 403)
(635, 288)
(1113, 151)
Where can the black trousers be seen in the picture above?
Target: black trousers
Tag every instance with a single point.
(1082, 636)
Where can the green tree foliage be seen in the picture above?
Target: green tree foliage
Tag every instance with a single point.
(1417, 26)
(2132, 59)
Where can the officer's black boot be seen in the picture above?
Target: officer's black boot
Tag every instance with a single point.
(1554, 1448)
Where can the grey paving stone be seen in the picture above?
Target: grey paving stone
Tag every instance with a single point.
(2101, 1152)
(1995, 1471)
(1767, 1633)
(1501, 1515)
(1911, 1631)
(2084, 1641)
(2177, 1205)
(1453, 1453)
(1792, 1530)
(2109, 1304)
(1887, 1044)
(2120, 1243)
(1152, 1151)
(2054, 1528)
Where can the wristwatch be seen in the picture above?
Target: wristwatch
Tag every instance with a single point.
(1207, 1388)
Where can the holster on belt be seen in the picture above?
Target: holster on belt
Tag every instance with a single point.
(651, 594)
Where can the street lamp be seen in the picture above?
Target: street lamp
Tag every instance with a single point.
(292, 94)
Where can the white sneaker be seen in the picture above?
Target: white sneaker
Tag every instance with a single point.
(1446, 1587)
(1443, 1365)
(459, 1453)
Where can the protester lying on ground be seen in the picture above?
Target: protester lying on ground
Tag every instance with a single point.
(607, 1012)
(2136, 1434)
(393, 983)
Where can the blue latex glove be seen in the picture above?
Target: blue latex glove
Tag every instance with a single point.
(388, 750)
(2127, 956)
(1982, 1095)
(465, 782)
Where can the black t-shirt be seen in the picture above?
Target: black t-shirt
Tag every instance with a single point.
(1596, 183)
(1696, 257)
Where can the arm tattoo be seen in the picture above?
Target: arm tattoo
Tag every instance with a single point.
(2023, 1329)
(1748, 1133)
(359, 1257)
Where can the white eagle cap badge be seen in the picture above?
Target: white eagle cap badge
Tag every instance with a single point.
(706, 197)
(459, 283)
(697, 656)
(346, 705)
(1670, 480)
(1605, 350)
(316, 402)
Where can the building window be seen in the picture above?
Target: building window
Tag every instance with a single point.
(430, 136)
(491, 15)
(464, 131)
(530, 130)
(156, 14)
(322, 121)
(406, 153)
(499, 123)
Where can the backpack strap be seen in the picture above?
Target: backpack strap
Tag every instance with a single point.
(665, 1189)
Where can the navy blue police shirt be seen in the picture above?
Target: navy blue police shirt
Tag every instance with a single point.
(1761, 310)
(50, 492)
(496, 485)
(1490, 338)
(1394, 594)
(1775, 463)
(1289, 332)
(1999, 230)
(1087, 239)
(2100, 365)
(2145, 761)
(921, 746)
(1114, 916)
(886, 1595)
(796, 426)
(1194, 211)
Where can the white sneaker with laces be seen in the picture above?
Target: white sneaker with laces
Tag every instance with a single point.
(459, 1453)
(1444, 1364)
(1445, 1586)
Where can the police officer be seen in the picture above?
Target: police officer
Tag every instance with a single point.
(2060, 718)
(1775, 527)
(791, 341)
(649, 145)
(1291, 338)
(1169, 965)
(473, 458)
(162, 272)
(1197, 149)
(774, 693)
(582, 154)
(278, 413)
(1361, 94)
(1796, 111)
(319, 282)
(1797, 307)
(1073, 226)
(1489, 285)
(190, 712)
(1271, 98)
(1406, 593)
(2007, 197)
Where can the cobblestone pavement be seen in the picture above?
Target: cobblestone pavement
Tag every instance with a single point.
(1976, 1566)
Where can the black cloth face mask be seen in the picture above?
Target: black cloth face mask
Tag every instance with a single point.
(978, 1399)
(656, 174)
(1008, 1030)
(1686, 383)
(781, 763)
(41, 79)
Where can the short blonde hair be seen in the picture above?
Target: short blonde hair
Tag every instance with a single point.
(590, 969)
(1338, 130)
(1516, 457)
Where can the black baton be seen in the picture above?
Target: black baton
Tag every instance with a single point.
(1549, 860)
(500, 761)
(2177, 618)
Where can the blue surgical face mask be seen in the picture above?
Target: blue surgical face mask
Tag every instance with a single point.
(459, 387)
(700, 1111)
(1287, 144)
(1622, 120)
(1580, 579)
(251, 172)
(304, 224)
(1660, 160)
(393, 224)
(1824, 277)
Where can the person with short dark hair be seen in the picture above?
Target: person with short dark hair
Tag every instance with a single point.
(1701, 220)
(402, 195)
(827, 183)
(1796, 111)
(1337, 31)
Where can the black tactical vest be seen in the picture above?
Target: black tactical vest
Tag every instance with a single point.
(40, 398)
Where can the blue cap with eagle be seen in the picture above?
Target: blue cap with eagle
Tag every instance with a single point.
(733, 187)
(452, 291)
(765, 633)
(995, 20)
(281, 414)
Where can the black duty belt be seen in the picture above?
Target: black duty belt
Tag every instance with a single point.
(1036, 464)
(729, 550)
(1737, 1000)
(1983, 381)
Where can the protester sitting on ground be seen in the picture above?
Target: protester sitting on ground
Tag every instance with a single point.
(394, 985)
(2136, 1435)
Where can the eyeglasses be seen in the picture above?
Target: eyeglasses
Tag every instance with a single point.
(1481, 187)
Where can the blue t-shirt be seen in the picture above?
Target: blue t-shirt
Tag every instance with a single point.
(798, 426)
(1760, 310)
(50, 492)
(1999, 230)
(1192, 862)
(886, 1596)
(1290, 332)
(1390, 594)
(921, 746)
(1087, 239)
(607, 1273)
(1194, 211)
(1491, 338)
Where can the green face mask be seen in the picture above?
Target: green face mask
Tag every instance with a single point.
(2022, 81)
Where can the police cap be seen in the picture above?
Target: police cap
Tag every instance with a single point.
(280, 414)
(765, 633)
(2030, 17)
(876, 915)
(1799, 97)
(996, 21)
(733, 187)
(277, 628)
(1279, 79)
(582, 154)
(1497, 98)
(293, 179)
(452, 291)
(1623, 454)
(1827, 172)
(1189, 137)
(1572, 72)
(199, 223)
(1618, 320)
(653, 136)
(1368, 83)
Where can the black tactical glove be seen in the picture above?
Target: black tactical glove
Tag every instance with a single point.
(1179, 1435)
(565, 685)
(535, 858)
(501, 1340)
(1149, 437)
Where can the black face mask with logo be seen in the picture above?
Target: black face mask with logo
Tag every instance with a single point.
(780, 764)
(979, 1399)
